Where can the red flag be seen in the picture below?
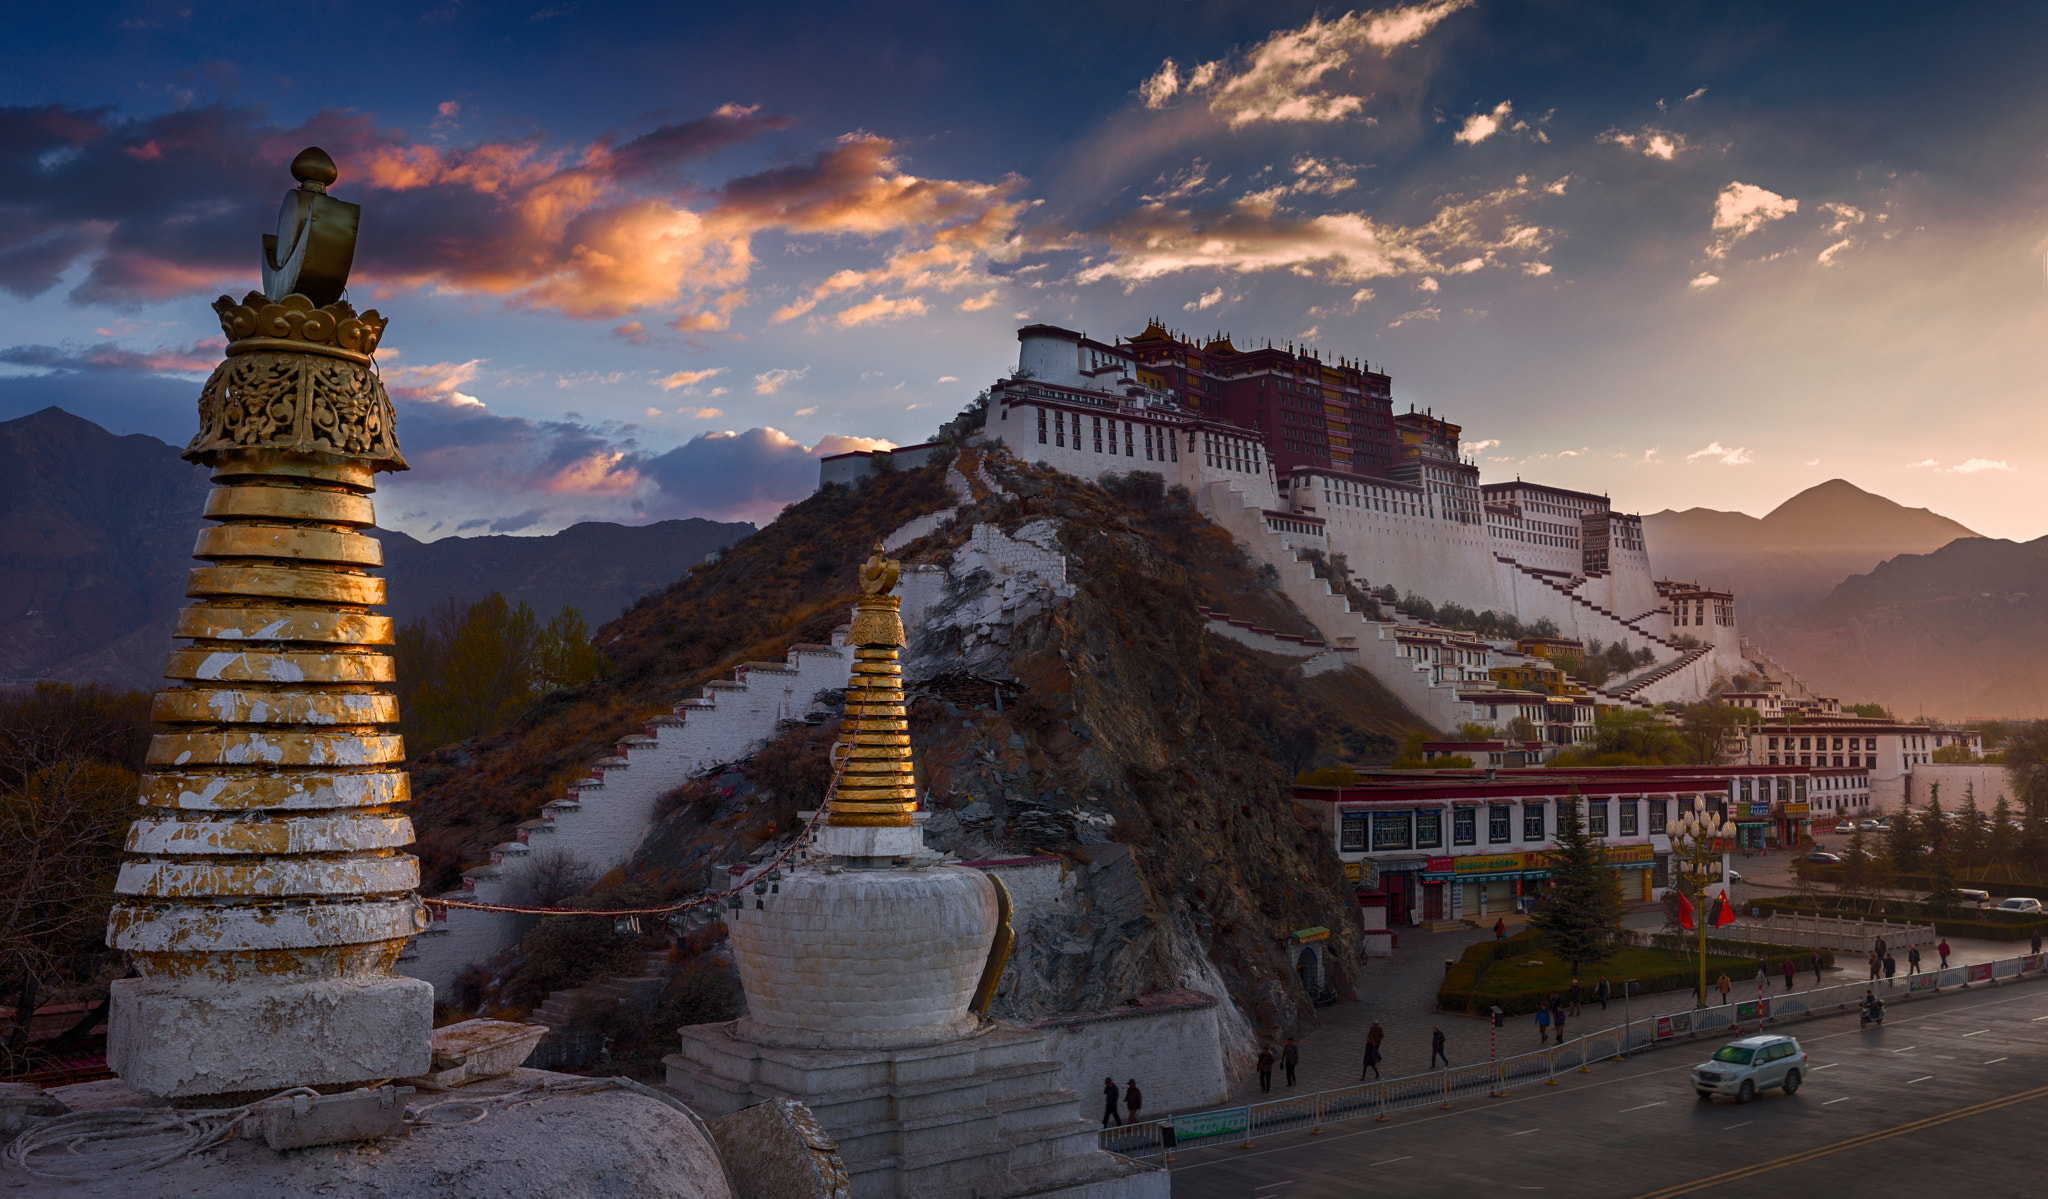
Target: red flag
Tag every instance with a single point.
(1724, 912)
(1684, 911)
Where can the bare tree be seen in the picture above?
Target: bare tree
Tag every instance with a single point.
(551, 876)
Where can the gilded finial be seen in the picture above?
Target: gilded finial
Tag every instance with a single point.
(314, 169)
(878, 574)
(315, 243)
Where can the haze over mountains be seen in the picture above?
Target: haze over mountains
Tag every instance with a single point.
(1794, 556)
(96, 537)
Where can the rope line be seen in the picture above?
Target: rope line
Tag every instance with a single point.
(824, 806)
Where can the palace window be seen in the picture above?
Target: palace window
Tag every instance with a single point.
(1041, 426)
(1596, 818)
(1059, 429)
(1098, 434)
(1532, 822)
(1351, 833)
(1429, 830)
(1497, 832)
(1628, 817)
(1464, 826)
(1391, 830)
(1657, 816)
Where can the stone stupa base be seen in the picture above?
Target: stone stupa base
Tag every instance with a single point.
(184, 1038)
(983, 1115)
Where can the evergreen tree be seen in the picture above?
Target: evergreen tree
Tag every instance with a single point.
(1971, 830)
(1902, 844)
(1999, 836)
(1581, 913)
(1939, 837)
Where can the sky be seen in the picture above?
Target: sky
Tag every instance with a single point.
(652, 261)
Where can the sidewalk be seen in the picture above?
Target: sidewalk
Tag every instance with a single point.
(1400, 993)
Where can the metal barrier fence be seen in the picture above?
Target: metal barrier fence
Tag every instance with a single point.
(1243, 1125)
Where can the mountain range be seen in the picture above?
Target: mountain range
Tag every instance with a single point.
(1793, 556)
(1960, 633)
(96, 537)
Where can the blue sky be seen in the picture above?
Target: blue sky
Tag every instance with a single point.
(649, 261)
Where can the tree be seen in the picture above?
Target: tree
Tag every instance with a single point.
(1544, 627)
(1708, 726)
(1474, 731)
(1939, 837)
(2026, 761)
(1521, 728)
(471, 668)
(1864, 873)
(1581, 912)
(1972, 830)
(1876, 710)
(1627, 737)
(1904, 843)
(1999, 837)
(1956, 754)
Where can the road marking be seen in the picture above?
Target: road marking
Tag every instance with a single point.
(1831, 1102)
(1733, 1127)
(1829, 1066)
(1390, 1161)
(1980, 1032)
(1977, 1109)
(2038, 1019)
(1922, 1078)
(1994, 1061)
(1525, 1132)
(1269, 1186)
(1907, 1049)
(1640, 1107)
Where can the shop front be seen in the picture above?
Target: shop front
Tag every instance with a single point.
(1483, 887)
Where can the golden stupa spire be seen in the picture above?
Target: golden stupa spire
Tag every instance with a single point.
(878, 789)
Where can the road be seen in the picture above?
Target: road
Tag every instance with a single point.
(1948, 1094)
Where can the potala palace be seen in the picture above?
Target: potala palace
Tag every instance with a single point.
(1293, 454)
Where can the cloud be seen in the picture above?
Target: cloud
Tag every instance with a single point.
(632, 333)
(1976, 465)
(1650, 142)
(599, 230)
(1208, 299)
(1703, 279)
(1924, 462)
(1301, 75)
(1478, 447)
(431, 381)
(769, 382)
(1482, 125)
(1256, 233)
(805, 412)
(879, 309)
(688, 378)
(947, 379)
(980, 302)
(1743, 208)
(1809, 461)
(702, 413)
(198, 358)
(1716, 452)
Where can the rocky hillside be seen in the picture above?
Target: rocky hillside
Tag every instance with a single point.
(1791, 557)
(1959, 633)
(96, 538)
(1098, 721)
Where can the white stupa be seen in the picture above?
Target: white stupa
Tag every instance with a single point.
(868, 978)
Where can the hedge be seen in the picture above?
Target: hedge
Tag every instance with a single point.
(1461, 991)
(1981, 923)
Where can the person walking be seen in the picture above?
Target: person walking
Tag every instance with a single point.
(1557, 1024)
(1880, 949)
(1912, 960)
(1942, 949)
(1500, 929)
(1543, 1026)
(1374, 1038)
(1573, 996)
(1109, 1115)
(1791, 972)
(1816, 969)
(2037, 941)
(1133, 1100)
(1876, 965)
(1722, 985)
(1436, 1046)
(1891, 967)
(1290, 1057)
(1601, 991)
(1265, 1069)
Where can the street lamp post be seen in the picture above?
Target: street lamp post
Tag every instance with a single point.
(1698, 839)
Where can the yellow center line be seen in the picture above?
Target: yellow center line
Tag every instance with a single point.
(1975, 1109)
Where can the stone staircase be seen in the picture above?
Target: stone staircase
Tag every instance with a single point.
(1659, 673)
(567, 1044)
(1571, 593)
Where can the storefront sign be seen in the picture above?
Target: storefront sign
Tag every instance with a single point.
(1798, 809)
(1492, 863)
(1617, 855)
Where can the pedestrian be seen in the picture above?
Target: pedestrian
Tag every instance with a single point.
(1790, 972)
(2037, 941)
(1880, 949)
(1133, 1100)
(1556, 1003)
(1266, 1069)
(1500, 929)
(1816, 969)
(1109, 1115)
(1913, 960)
(1942, 949)
(1722, 985)
(1436, 1046)
(1601, 992)
(1290, 1057)
(1891, 967)
(1557, 1023)
(1374, 1037)
(1574, 995)
(1543, 1026)
(1876, 965)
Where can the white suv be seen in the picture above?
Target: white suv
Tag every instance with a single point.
(1742, 1068)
